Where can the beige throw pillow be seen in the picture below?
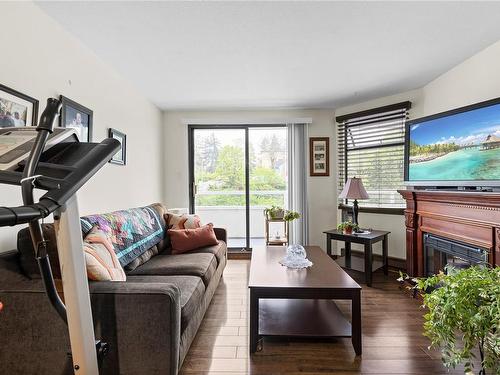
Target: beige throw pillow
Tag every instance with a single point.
(184, 221)
(100, 258)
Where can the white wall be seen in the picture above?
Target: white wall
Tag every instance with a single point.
(322, 190)
(40, 59)
(475, 80)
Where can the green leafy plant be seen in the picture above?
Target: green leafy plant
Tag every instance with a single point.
(291, 215)
(464, 314)
(347, 226)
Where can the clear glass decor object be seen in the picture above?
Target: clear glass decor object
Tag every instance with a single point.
(296, 257)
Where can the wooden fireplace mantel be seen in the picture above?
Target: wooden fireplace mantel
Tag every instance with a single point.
(469, 217)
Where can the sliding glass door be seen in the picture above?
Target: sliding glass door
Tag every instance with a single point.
(218, 193)
(235, 173)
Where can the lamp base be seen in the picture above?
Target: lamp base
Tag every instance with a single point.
(355, 210)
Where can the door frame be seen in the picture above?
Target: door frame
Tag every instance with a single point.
(246, 127)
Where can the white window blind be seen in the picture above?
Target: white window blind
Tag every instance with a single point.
(371, 146)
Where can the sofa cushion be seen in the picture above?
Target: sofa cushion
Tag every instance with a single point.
(218, 250)
(194, 264)
(132, 231)
(192, 292)
(143, 258)
(27, 260)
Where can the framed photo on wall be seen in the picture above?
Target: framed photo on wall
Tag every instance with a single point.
(121, 156)
(17, 109)
(78, 117)
(319, 156)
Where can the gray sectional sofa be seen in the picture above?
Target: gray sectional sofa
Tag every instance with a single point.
(150, 320)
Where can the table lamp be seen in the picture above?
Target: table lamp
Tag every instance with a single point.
(354, 189)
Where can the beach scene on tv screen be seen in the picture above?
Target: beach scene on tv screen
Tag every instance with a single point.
(461, 147)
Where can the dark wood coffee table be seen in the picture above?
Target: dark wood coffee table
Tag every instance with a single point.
(298, 303)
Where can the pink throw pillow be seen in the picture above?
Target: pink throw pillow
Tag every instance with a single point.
(189, 239)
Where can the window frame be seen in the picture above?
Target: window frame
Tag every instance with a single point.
(370, 112)
(191, 172)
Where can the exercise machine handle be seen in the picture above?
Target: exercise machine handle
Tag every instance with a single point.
(49, 115)
(10, 216)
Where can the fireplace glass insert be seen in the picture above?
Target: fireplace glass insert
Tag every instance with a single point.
(441, 252)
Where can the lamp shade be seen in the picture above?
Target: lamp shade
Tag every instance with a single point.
(354, 189)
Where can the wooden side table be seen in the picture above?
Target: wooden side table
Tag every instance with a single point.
(365, 239)
(282, 241)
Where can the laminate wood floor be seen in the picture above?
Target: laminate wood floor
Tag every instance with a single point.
(392, 336)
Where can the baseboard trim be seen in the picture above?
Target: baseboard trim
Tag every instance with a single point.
(237, 254)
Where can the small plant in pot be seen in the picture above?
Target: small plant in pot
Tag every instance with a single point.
(278, 213)
(274, 213)
(347, 227)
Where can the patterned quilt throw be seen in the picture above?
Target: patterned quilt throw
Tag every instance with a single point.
(131, 231)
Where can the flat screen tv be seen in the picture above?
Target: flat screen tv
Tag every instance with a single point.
(456, 148)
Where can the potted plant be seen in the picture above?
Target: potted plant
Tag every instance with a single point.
(275, 212)
(347, 227)
(278, 213)
(464, 314)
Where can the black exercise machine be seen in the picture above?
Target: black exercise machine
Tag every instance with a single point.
(52, 159)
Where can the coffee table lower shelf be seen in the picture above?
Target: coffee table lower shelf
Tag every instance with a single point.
(302, 318)
(301, 303)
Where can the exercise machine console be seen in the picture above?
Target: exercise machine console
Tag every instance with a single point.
(52, 159)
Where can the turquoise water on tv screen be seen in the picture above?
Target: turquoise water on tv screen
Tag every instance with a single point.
(462, 165)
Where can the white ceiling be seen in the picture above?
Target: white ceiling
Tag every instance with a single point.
(213, 55)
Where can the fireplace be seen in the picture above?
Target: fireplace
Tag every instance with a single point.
(469, 219)
(440, 252)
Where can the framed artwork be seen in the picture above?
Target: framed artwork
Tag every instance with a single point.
(17, 109)
(319, 156)
(121, 156)
(78, 117)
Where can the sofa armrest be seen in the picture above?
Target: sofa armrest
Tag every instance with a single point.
(9, 255)
(142, 322)
(221, 234)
